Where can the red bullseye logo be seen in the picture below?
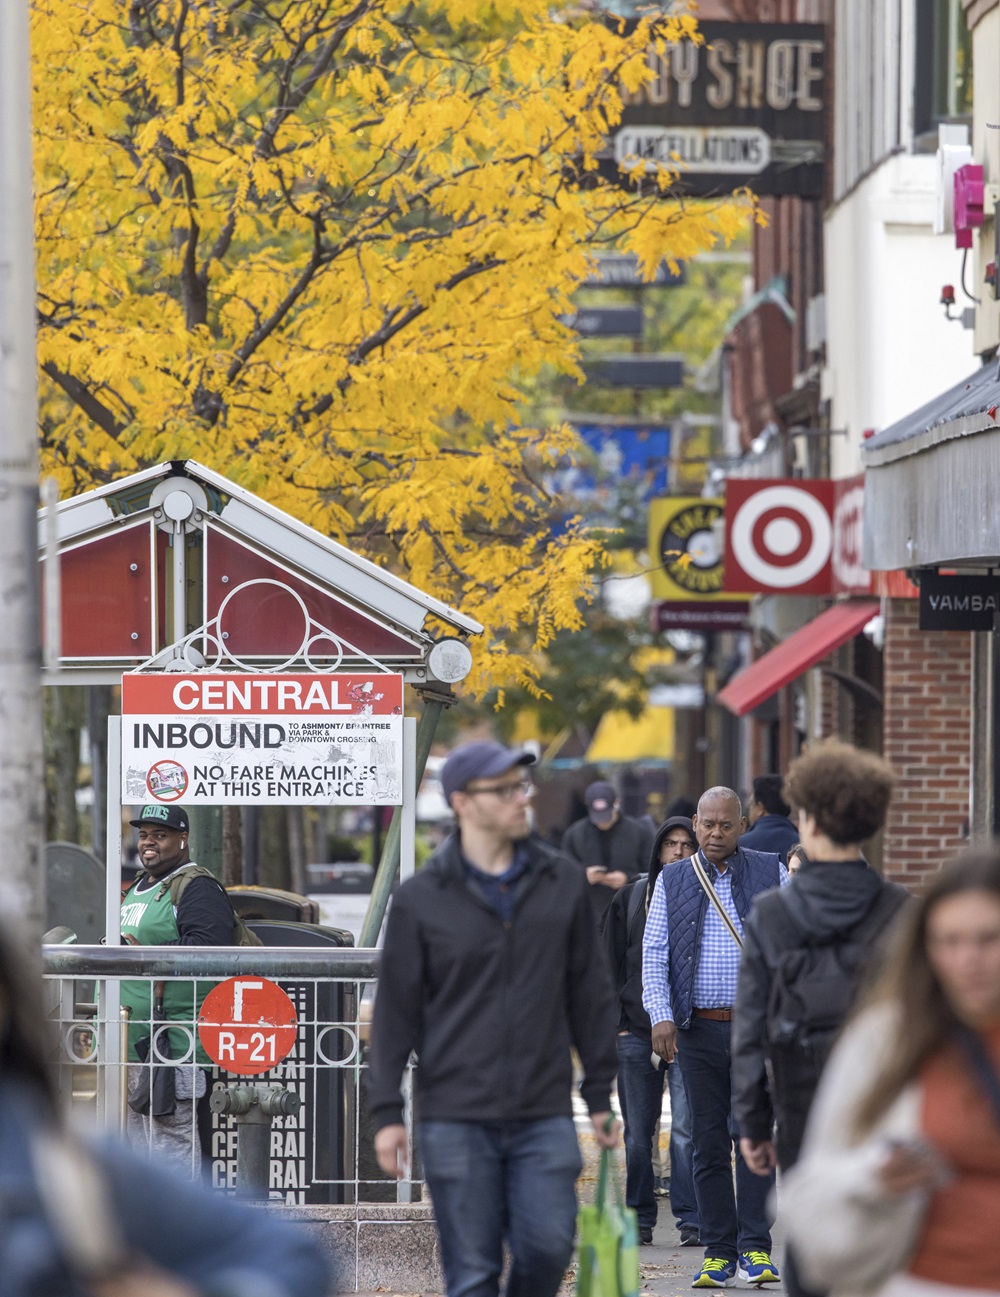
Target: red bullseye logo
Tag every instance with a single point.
(780, 537)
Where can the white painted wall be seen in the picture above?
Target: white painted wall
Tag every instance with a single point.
(889, 347)
(986, 150)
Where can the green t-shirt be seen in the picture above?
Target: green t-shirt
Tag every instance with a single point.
(148, 915)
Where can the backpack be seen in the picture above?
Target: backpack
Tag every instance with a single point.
(636, 902)
(241, 936)
(817, 979)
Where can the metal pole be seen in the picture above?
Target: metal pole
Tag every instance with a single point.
(115, 1044)
(434, 704)
(22, 879)
(408, 822)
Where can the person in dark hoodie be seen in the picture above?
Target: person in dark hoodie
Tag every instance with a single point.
(807, 948)
(640, 1082)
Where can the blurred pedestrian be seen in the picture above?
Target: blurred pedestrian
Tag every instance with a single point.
(491, 974)
(85, 1219)
(806, 949)
(771, 827)
(898, 1186)
(611, 847)
(691, 955)
(640, 1073)
(796, 855)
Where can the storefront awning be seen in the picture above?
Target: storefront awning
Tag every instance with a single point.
(620, 738)
(930, 481)
(789, 659)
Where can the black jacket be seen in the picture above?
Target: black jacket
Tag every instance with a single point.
(623, 943)
(824, 897)
(492, 1009)
(625, 846)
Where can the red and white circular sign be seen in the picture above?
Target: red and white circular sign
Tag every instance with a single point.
(780, 535)
(247, 1025)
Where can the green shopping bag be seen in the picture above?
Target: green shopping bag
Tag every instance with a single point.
(607, 1245)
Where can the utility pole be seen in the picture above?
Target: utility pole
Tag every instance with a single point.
(22, 878)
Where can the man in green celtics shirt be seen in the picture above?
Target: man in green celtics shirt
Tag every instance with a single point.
(173, 902)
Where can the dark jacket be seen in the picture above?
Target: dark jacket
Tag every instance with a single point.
(823, 898)
(623, 942)
(753, 872)
(625, 846)
(210, 1242)
(772, 833)
(491, 1008)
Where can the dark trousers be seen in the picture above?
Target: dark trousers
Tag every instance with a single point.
(640, 1097)
(733, 1219)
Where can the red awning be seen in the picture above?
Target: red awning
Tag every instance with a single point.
(787, 660)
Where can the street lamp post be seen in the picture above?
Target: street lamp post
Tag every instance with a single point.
(21, 765)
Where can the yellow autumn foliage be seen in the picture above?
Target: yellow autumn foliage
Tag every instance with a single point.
(318, 244)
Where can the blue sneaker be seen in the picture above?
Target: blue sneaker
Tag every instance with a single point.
(716, 1272)
(758, 1268)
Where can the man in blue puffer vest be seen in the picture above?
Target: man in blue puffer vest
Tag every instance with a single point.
(690, 963)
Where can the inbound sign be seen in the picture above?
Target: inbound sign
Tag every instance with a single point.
(255, 739)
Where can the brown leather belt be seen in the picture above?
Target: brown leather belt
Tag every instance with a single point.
(716, 1015)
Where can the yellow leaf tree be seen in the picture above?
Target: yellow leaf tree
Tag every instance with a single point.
(319, 244)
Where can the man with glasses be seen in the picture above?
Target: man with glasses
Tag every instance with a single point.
(641, 1073)
(491, 975)
(691, 958)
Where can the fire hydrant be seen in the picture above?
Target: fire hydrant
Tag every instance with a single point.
(254, 1107)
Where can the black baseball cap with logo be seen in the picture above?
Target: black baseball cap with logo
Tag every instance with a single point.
(168, 817)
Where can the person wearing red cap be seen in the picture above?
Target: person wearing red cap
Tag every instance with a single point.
(613, 848)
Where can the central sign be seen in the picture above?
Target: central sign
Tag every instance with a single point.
(254, 739)
(247, 1025)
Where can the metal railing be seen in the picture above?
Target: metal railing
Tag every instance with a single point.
(320, 1154)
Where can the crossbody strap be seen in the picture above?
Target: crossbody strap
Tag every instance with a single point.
(709, 891)
(982, 1065)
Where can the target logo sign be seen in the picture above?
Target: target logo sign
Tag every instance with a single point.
(779, 536)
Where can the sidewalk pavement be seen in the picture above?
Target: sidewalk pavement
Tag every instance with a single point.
(666, 1268)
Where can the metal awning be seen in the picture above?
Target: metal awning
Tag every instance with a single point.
(795, 655)
(930, 480)
(178, 555)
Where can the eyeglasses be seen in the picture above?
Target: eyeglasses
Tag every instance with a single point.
(506, 792)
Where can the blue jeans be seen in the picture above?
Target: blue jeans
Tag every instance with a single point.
(731, 1221)
(640, 1098)
(682, 1199)
(495, 1180)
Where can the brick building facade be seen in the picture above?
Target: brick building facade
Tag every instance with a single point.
(927, 741)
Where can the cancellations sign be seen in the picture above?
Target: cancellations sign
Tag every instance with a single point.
(256, 739)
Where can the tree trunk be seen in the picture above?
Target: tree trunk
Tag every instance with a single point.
(98, 711)
(297, 849)
(63, 724)
(232, 847)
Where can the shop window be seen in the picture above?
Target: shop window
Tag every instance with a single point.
(943, 80)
